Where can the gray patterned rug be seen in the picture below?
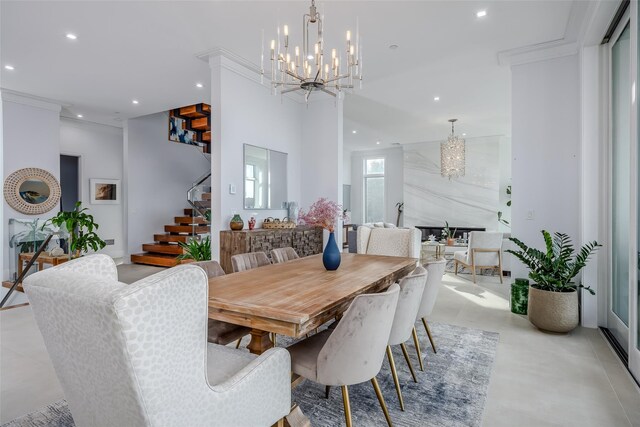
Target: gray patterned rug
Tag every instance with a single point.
(451, 392)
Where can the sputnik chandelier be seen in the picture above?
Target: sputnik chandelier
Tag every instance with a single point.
(308, 69)
(452, 155)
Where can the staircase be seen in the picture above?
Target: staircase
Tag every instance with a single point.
(165, 250)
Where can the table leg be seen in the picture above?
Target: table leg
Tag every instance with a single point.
(260, 341)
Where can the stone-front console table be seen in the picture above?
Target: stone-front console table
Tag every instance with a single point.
(305, 240)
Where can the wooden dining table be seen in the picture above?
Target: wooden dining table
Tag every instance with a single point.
(295, 297)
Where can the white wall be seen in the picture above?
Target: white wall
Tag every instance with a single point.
(157, 175)
(100, 149)
(393, 183)
(546, 150)
(244, 112)
(31, 139)
(322, 153)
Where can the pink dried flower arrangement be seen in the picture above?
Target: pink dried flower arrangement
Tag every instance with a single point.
(323, 213)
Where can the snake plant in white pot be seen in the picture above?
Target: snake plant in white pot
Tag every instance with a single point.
(553, 297)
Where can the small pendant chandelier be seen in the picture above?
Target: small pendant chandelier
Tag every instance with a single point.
(306, 67)
(452, 155)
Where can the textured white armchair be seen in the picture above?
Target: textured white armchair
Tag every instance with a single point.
(389, 241)
(137, 355)
(484, 250)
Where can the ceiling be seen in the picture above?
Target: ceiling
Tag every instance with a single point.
(148, 51)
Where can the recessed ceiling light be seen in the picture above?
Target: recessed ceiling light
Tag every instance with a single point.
(135, 101)
(393, 46)
(79, 116)
(309, 56)
(436, 98)
(464, 134)
(71, 36)
(9, 67)
(199, 85)
(481, 13)
(354, 131)
(377, 142)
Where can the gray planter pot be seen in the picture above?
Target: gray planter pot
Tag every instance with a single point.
(553, 311)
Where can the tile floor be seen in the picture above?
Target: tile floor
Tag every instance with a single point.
(538, 379)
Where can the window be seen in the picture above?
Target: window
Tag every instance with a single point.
(249, 182)
(374, 190)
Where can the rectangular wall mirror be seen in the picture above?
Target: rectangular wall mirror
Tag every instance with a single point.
(265, 178)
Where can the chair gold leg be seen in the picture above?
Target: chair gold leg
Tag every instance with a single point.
(426, 327)
(456, 267)
(473, 268)
(347, 405)
(416, 342)
(406, 357)
(238, 343)
(273, 338)
(376, 387)
(394, 374)
(279, 423)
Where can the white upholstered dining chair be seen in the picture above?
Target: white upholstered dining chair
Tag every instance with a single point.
(283, 255)
(484, 251)
(243, 262)
(353, 352)
(220, 332)
(435, 272)
(137, 355)
(411, 289)
(389, 241)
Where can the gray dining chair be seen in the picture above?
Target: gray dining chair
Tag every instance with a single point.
(411, 289)
(221, 332)
(243, 262)
(435, 272)
(353, 352)
(283, 255)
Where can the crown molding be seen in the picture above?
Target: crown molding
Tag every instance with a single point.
(9, 95)
(83, 123)
(540, 52)
(243, 67)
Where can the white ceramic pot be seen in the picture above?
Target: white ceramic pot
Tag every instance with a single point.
(553, 311)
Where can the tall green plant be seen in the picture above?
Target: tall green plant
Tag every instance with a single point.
(81, 228)
(553, 269)
(197, 250)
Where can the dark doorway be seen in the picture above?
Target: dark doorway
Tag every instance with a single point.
(69, 182)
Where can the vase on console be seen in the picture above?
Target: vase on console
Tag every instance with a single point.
(236, 223)
(331, 254)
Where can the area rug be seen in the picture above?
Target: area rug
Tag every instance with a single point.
(451, 392)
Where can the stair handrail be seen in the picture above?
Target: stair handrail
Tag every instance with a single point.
(198, 182)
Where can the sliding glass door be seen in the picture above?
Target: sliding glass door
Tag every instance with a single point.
(618, 321)
(624, 223)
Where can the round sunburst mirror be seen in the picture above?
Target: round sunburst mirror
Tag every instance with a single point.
(32, 191)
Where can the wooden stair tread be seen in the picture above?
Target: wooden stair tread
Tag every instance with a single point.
(163, 248)
(206, 196)
(9, 284)
(160, 260)
(199, 229)
(170, 238)
(188, 220)
(201, 124)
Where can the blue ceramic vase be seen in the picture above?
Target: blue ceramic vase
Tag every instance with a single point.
(331, 254)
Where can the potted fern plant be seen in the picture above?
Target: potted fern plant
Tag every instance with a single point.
(553, 297)
(197, 250)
